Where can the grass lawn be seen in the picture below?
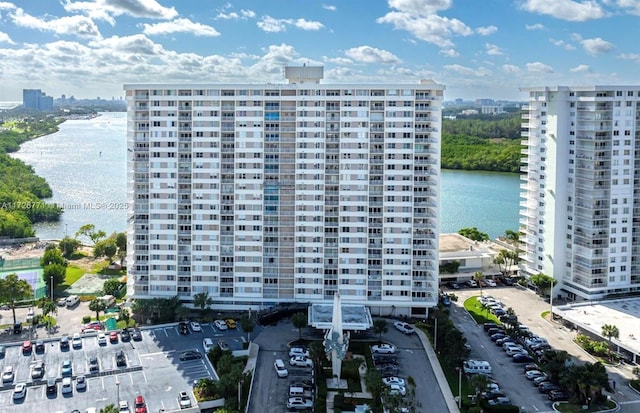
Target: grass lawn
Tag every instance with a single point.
(576, 408)
(73, 274)
(481, 315)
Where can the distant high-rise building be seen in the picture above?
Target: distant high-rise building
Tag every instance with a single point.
(259, 194)
(35, 99)
(581, 194)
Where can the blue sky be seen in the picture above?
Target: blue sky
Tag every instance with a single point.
(477, 48)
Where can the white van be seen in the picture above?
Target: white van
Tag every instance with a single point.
(72, 300)
(477, 367)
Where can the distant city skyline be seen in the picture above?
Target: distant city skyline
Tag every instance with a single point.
(477, 49)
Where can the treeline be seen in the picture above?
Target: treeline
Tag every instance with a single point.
(478, 143)
(21, 190)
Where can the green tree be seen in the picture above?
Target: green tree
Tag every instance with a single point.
(110, 408)
(512, 236)
(13, 290)
(125, 315)
(121, 241)
(55, 273)
(610, 331)
(48, 307)
(105, 248)
(317, 354)
(202, 300)
(181, 312)
(479, 382)
(373, 381)
(505, 259)
(543, 282)
(89, 231)
(112, 287)
(555, 363)
(69, 246)
(380, 327)
(478, 277)
(299, 321)
(52, 255)
(247, 326)
(473, 234)
(98, 306)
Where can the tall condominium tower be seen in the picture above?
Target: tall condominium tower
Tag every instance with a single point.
(270, 193)
(581, 205)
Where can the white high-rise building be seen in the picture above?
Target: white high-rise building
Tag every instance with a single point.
(269, 193)
(581, 206)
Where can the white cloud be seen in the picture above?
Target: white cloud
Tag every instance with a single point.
(630, 56)
(243, 15)
(536, 26)
(563, 44)
(7, 6)
(493, 50)
(138, 44)
(596, 46)
(632, 6)
(337, 60)
(4, 38)
(149, 9)
(368, 54)
(486, 31)
(81, 26)
(538, 67)
(580, 68)
(510, 69)
(418, 18)
(273, 25)
(569, 10)
(180, 26)
(329, 7)
(467, 71)
(449, 52)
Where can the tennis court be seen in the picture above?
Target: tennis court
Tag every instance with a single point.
(27, 269)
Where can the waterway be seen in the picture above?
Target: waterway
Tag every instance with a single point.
(85, 164)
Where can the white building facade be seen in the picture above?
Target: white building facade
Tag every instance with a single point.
(581, 189)
(262, 194)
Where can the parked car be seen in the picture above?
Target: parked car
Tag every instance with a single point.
(113, 337)
(393, 380)
(453, 285)
(383, 348)
(39, 346)
(76, 342)
(123, 407)
(299, 403)
(125, 335)
(64, 343)
(223, 345)
(121, 359)
(136, 335)
(37, 370)
(3, 351)
(93, 364)
(522, 358)
(540, 379)
(231, 323)
(445, 300)
(184, 400)
(67, 385)
(395, 389)
(7, 374)
(195, 326)
(81, 383)
(499, 400)
(491, 283)
(487, 326)
(472, 283)
(207, 345)
(558, 396)
(102, 339)
(497, 336)
(506, 339)
(301, 361)
(532, 374)
(298, 352)
(220, 325)
(27, 347)
(52, 387)
(190, 355)
(20, 391)
(547, 386)
(384, 359)
(183, 328)
(281, 369)
(67, 368)
(531, 366)
(140, 405)
(404, 327)
(387, 370)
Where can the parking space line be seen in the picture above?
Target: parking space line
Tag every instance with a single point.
(145, 377)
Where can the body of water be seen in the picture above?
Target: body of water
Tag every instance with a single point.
(85, 164)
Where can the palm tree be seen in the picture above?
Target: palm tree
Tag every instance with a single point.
(110, 408)
(247, 325)
(555, 363)
(97, 305)
(299, 321)
(202, 300)
(610, 331)
(380, 327)
(48, 307)
(317, 354)
(478, 276)
(479, 382)
(13, 290)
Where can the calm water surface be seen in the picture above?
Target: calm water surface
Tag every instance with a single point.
(85, 164)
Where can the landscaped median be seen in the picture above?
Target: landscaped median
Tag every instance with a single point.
(480, 313)
(566, 407)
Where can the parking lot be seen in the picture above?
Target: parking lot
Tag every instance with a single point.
(153, 370)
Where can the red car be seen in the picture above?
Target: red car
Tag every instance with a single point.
(140, 405)
(113, 337)
(27, 346)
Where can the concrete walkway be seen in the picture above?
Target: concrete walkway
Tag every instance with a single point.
(364, 394)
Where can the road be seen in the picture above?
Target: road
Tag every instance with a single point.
(529, 307)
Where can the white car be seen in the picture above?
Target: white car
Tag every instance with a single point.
(221, 325)
(532, 374)
(184, 399)
(67, 385)
(195, 326)
(491, 283)
(298, 352)
(281, 370)
(102, 339)
(404, 327)
(395, 389)
(207, 344)
(20, 391)
(301, 361)
(472, 283)
(299, 403)
(388, 381)
(7, 374)
(123, 406)
(512, 351)
(81, 383)
(76, 342)
(383, 348)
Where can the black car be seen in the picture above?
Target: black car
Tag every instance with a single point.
(558, 396)
(547, 386)
(125, 335)
(494, 330)
(52, 387)
(522, 358)
(64, 343)
(136, 335)
(121, 360)
(3, 351)
(183, 328)
(384, 359)
(39, 346)
(93, 364)
(17, 328)
(497, 336)
(190, 355)
(453, 285)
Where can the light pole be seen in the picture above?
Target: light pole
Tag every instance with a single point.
(435, 334)
(551, 298)
(51, 279)
(240, 383)
(117, 392)
(459, 387)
